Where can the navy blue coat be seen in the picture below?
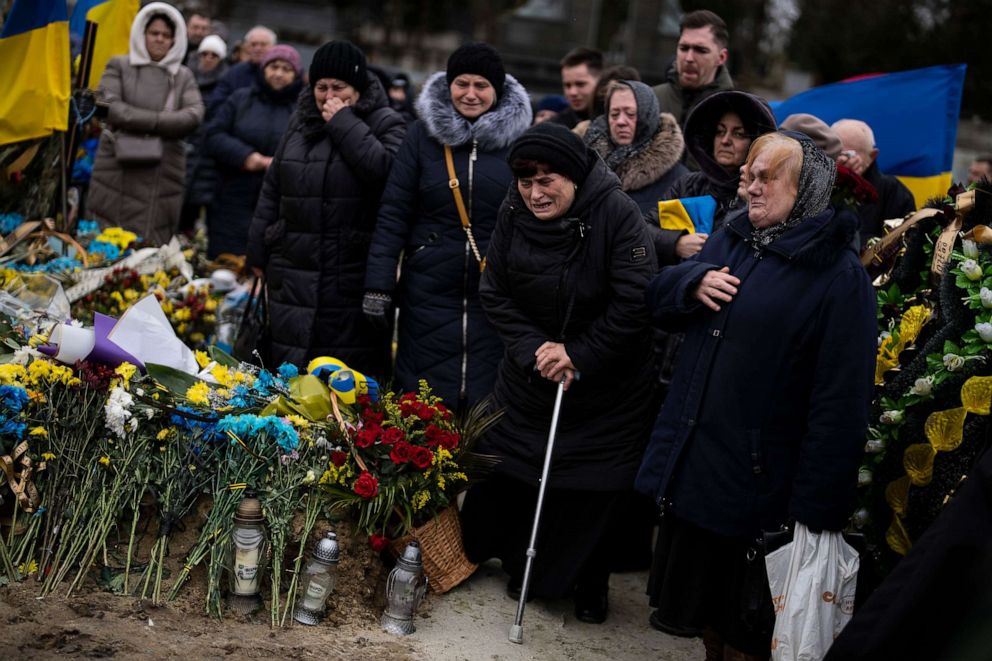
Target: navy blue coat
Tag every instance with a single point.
(242, 74)
(766, 417)
(252, 119)
(443, 335)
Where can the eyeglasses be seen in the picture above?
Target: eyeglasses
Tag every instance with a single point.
(736, 134)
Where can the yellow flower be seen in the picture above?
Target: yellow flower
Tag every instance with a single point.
(165, 433)
(125, 370)
(196, 338)
(118, 236)
(37, 396)
(166, 306)
(181, 328)
(298, 421)
(104, 460)
(38, 431)
(181, 314)
(420, 499)
(199, 393)
(202, 359)
(118, 298)
(11, 373)
(48, 456)
(210, 305)
(28, 569)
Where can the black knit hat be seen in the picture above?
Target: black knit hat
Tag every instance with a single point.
(551, 143)
(342, 60)
(479, 59)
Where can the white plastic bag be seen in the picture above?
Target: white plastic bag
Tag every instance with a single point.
(812, 581)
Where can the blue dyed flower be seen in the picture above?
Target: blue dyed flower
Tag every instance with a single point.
(11, 427)
(10, 222)
(288, 371)
(13, 398)
(108, 251)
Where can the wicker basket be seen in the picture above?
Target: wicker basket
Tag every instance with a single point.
(443, 553)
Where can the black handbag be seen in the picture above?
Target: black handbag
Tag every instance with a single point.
(253, 339)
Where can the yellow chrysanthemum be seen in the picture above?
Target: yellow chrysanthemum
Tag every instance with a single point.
(118, 236)
(125, 371)
(298, 421)
(199, 393)
(210, 304)
(38, 431)
(28, 569)
(11, 373)
(118, 298)
(181, 314)
(38, 339)
(202, 359)
(104, 460)
(48, 456)
(165, 433)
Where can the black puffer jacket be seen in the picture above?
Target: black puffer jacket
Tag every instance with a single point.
(313, 225)
(252, 119)
(444, 336)
(578, 280)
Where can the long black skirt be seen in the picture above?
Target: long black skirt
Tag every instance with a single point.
(702, 580)
(582, 538)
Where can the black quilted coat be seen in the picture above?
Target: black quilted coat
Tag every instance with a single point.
(312, 228)
(579, 280)
(444, 336)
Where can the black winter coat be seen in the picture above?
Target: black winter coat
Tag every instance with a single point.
(444, 336)
(312, 228)
(201, 173)
(242, 74)
(579, 280)
(767, 413)
(253, 119)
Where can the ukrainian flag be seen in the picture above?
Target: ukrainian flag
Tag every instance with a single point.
(113, 36)
(914, 115)
(34, 74)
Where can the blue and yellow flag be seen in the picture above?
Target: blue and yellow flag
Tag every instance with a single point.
(34, 74)
(914, 115)
(113, 34)
(692, 214)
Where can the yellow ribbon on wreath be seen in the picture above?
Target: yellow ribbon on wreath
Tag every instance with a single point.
(944, 431)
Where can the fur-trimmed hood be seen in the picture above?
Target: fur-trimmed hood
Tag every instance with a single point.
(660, 155)
(494, 130)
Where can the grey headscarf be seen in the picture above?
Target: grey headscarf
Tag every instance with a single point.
(816, 182)
(648, 121)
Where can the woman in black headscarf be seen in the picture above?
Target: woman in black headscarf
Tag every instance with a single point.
(564, 287)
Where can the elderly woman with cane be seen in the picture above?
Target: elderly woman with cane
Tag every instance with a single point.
(564, 286)
(766, 417)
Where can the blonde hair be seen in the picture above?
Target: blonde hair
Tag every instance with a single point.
(785, 157)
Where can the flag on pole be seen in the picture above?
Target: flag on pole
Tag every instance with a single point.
(34, 76)
(914, 115)
(114, 18)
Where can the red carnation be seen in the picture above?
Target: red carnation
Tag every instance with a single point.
(408, 397)
(363, 400)
(433, 435)
(449, 440)
(407, 409)
(366, 486)
(401, 452)
(338, 458)
(392, 435)
(424, 412)
(366, 437)
(378, 543)
(443, 411)
(371, 417)
(421, 457)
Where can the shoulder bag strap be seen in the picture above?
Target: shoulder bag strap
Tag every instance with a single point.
(456, 192)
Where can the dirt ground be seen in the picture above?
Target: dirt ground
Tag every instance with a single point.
(470, 622)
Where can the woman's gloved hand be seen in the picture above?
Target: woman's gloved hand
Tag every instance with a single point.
(376, 306)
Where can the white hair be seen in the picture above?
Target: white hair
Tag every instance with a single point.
(857, 123)
(261, 28)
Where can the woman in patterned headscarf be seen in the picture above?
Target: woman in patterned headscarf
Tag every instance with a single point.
(766, 417)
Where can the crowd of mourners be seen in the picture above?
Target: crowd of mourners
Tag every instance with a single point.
(719, 379)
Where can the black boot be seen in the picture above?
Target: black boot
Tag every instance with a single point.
(591, 603)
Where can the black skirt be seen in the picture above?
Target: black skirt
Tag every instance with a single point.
(701, 580)
(584, 535)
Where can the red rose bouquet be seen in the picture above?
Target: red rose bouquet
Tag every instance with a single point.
(851, 189)
(401, 460)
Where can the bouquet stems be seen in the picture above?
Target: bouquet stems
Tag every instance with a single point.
(309, 521)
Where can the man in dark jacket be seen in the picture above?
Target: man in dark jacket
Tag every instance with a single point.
(580, 70)
(258, 41)
(860, 152)
(699, 65)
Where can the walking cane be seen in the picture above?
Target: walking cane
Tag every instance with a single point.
(517, 630)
